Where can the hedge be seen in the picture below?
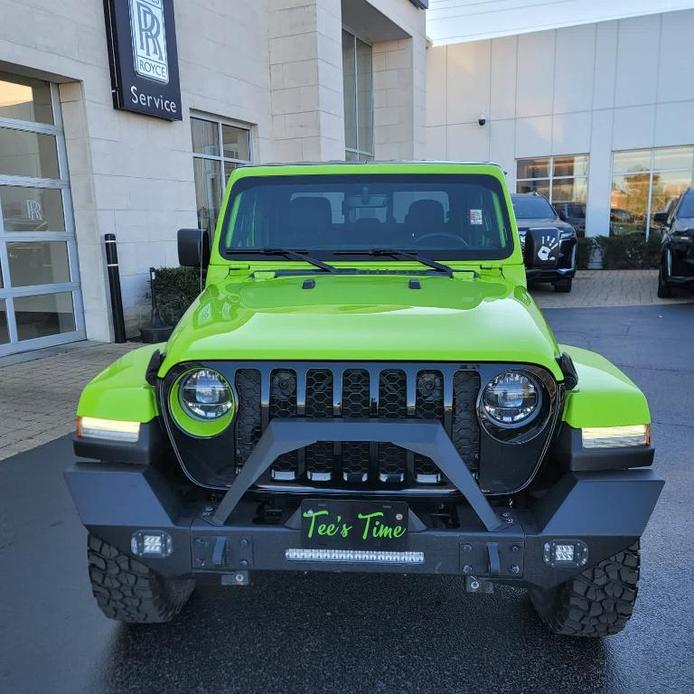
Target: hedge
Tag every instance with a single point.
(176, 289)
(626, 252)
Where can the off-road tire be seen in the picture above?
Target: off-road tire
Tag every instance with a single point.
(597, 602)
(128, 591)
(664, 290)
(563, 286)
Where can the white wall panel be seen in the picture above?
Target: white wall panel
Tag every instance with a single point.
(467, 80)
(633, 127)
(535, 74)
(676, 64)
(502, 146)
(674, 124)
(637, 61)
(571, 133)
(575, 67)
(436, 92)
(534, 136)
(605, 64)
(468, 142)
(436, 143)
(503, 76)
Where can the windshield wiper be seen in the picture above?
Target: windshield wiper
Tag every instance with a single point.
(395, 253)
(287, 253)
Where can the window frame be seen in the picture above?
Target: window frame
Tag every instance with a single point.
(9, 292)
(651, 170)
(550, 158)
(220, 158)
(360, 153)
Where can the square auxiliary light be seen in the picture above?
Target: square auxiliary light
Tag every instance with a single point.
(151, 543)
(566, 553)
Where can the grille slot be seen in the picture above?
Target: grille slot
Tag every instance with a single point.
(248, 420)
(428, 405)
(283, 404)
(320, 461)
(356, 404)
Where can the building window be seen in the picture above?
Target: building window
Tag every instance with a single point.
(559, 179)
(646, 181)
(218, 148)
(40, 299)
(357, 72)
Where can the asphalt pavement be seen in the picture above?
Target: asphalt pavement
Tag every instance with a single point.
(361, 633)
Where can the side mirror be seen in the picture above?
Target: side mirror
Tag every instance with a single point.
(193, 248)
(660, 217)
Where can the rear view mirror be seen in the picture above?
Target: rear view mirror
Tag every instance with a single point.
(193, 248)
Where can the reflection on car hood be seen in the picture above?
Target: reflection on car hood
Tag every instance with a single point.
(365, 318)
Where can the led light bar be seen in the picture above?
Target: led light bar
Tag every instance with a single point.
(616, 437)
(359, 556)
(110, 429)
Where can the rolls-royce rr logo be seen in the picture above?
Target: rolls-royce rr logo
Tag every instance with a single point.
(149, 39)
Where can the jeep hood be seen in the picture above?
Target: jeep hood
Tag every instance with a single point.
(364, 317)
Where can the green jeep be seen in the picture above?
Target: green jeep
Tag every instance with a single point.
(365, 384)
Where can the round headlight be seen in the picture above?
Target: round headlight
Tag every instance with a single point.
(205, 395)
(511, 399)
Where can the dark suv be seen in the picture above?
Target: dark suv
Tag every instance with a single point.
(677, 256)
(549, 243)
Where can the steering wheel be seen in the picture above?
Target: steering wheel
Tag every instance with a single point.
(458, 240)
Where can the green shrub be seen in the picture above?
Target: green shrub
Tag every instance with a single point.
(177, 288)
(629, 252)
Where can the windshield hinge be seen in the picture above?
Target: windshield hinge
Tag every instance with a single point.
(264, 275)
(494, 270)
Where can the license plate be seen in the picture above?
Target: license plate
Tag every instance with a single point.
(353, 524)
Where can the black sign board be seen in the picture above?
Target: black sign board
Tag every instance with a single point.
(141, 38)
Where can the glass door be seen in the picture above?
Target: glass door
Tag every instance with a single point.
(40, 301)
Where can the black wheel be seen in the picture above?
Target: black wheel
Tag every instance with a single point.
(664, 289)
(129, 591)
(597, 602)
(564, 285)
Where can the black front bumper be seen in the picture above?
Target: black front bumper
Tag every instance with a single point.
(551, 275)
(604, 510)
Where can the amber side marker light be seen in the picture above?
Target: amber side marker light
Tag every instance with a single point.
(616, 437)
(110, 429)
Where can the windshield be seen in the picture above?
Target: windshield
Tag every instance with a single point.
(687, 206)
(461, 216)
(532, 207)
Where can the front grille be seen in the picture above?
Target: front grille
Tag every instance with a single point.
(446, 393)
